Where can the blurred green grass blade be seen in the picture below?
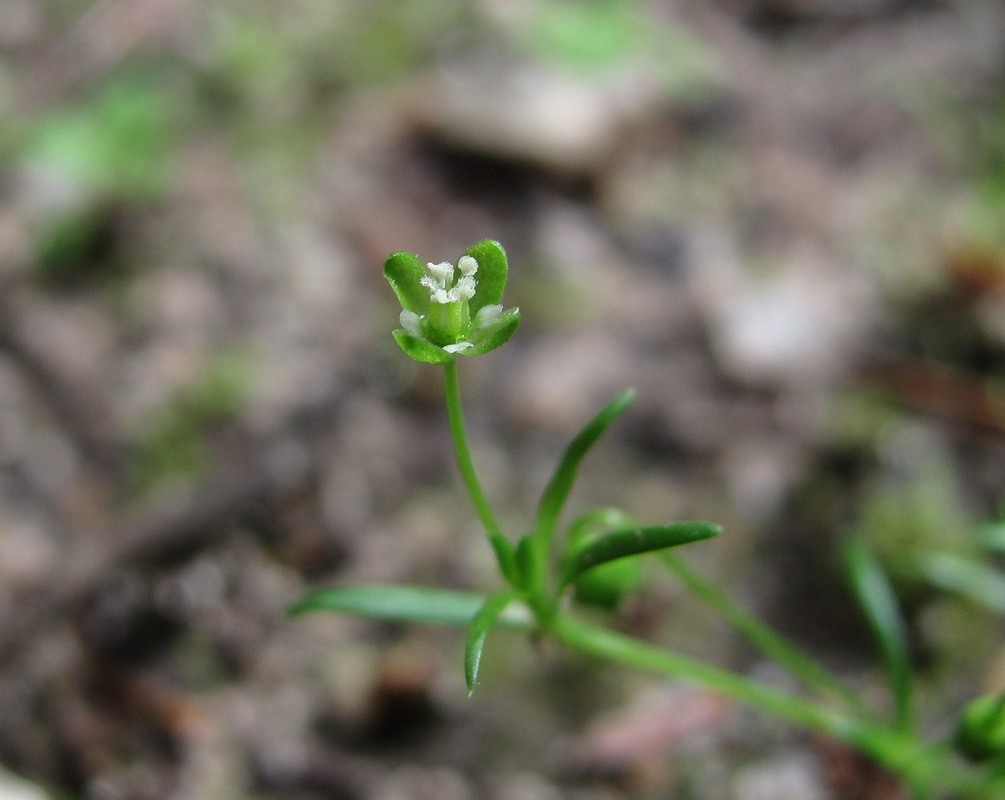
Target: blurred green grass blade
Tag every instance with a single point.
(765, 639)
(979, 582)
(991, 537)
(557, 491)
(505, 554)
(408, 604)
(632, 542)
(484, 619)
(875, 594)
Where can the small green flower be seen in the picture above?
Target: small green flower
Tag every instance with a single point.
(448, 310)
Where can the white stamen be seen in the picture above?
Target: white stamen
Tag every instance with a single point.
(465, 288)
(439, 279)
(430, 283)
(442, 273)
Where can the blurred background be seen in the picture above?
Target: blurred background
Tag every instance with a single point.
(782, 221)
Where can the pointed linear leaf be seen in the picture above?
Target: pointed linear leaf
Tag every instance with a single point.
(991, 537)
(557, 491)
(954, 573)
(876, 596)
(761, 636)
(404, 271)
(633, 542)
(491, 275)
(408, 604)
(484, 619)
(505, 554)
(524, 560)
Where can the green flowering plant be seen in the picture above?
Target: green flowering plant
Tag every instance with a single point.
(551, 571)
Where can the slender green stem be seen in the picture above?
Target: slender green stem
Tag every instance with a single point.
(467, 466)
(891, 748)
(762, 637)
(928, 769)
(614, 646)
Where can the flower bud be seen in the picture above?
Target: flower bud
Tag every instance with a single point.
(980, 734)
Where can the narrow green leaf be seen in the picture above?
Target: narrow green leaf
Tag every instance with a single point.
(505, 554)
(524, 560)
(632, 542)
(557, 490)
(953, 573)
(484, 619)
(419, 349)
(876, 596)
(765, 639)
(991, 537)
(408, 604)
(491, 275)
(403, 271)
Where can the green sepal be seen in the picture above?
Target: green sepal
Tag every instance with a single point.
(420, 349)
(404, 271)
(632, 542)
(484, 619)
(557, 490)
(875, 595)
(494, 335)
(491, 275)
(397, 603)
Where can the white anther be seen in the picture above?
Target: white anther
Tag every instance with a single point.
(442, 273)
(465, 288)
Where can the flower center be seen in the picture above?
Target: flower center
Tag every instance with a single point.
(450, 289)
